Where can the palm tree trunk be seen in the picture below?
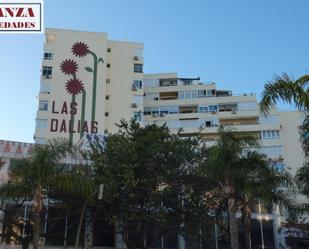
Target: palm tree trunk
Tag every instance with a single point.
(79, 229)
(233, 224)
(37, 211)
(88, 229)
(247, 225)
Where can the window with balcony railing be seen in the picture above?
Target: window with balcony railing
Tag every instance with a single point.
(274, 134)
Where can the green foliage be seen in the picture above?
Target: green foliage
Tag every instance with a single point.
(295, 92)
(302, 179)
(144, 171)
(287, 89)
(30, 179)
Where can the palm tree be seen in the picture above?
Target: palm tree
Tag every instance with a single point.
(240, 175)
(296, 92)
(302, 178)
(31, 179)
(79, 185)
(222, 166)
(260, 181)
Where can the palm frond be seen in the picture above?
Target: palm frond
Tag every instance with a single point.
(285, 88)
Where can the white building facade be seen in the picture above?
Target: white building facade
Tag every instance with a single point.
(87, 84)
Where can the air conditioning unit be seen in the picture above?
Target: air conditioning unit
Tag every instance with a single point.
(48, 76)
(134, 88)
(213, 112)
(162, 115)
(154, 115)
(233, 112)
(134, 105)
(136, 58)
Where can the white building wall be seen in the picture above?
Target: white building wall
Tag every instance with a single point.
(114, 96)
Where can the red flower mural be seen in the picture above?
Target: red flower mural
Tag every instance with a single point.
(74, 86)
(69, 66)
(80, 49)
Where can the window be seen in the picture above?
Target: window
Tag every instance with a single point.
(41, 123)
(149, 83)
(155, 110)
(48, 56)
(213, 108)
(106, 114)
(108, 65)
(147, 111)
(164, 110)
(270, 134)
(138, 68)
(209, 93)
(138, 84)
(43, 105)
(107, 97)
(203, 108)
(109, 50)
(174, 109)
(208, 123)
(47, 72)
(202, 93)
(194, 94)
(108, 81)
(105, 131)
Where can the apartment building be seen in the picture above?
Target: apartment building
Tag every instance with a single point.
(191, 106)
(87, 84)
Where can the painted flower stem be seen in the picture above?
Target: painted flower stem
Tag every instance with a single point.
(72, 122)
(94, 85)
(82, 118)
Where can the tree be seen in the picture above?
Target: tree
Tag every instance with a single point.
(77, 188)
(223, 168)
(14, 225)
(260, 180)
(32, 178)
(302, 179)
(296, 92)
(142, 169)
(239, 175)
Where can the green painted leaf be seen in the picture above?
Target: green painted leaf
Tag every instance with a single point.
(88, 69)
(100, 60)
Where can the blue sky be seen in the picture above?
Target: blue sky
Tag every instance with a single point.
(239, 44)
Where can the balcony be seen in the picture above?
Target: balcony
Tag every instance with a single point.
(168, 82)
(188, 109)
(168, 95)
(228, 108)
(239, 121)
